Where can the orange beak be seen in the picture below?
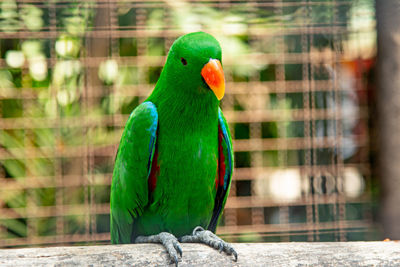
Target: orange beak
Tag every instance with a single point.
(214, 76)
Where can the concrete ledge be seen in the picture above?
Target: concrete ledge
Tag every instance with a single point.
(256, 254)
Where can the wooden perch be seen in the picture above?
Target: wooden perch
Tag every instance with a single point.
(256, 254)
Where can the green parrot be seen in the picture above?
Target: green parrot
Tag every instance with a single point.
(174, 164)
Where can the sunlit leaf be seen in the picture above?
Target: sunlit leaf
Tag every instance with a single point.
(15, 59)
(6, 83)
(32, 48)
(67, 47)
(38, 68)
(16, 228)
(9, 16)
(15, 167)
(32, 17)
(108, 71)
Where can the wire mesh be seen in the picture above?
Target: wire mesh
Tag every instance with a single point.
(297, 102)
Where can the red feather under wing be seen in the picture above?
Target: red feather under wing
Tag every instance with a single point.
(221, 158)
(155, 170)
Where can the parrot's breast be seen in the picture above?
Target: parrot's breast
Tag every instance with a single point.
(184, 192)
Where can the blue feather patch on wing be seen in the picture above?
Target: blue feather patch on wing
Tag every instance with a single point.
(153, 132)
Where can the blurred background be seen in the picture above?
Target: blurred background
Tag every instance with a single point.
(300, 102)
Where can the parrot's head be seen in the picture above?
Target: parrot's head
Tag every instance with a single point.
(194, 65)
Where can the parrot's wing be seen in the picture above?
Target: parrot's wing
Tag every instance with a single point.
(225, 169)
(129, 189)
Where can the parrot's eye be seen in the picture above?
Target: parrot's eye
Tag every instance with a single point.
(184, 62)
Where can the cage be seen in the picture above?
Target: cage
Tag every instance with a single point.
(298, 102)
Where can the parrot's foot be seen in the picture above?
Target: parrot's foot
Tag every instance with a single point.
(168, 240)
(207, 237)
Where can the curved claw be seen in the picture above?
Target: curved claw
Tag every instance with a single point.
(230, 250)
(176, 260)
(234, 254)
(178, 248)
